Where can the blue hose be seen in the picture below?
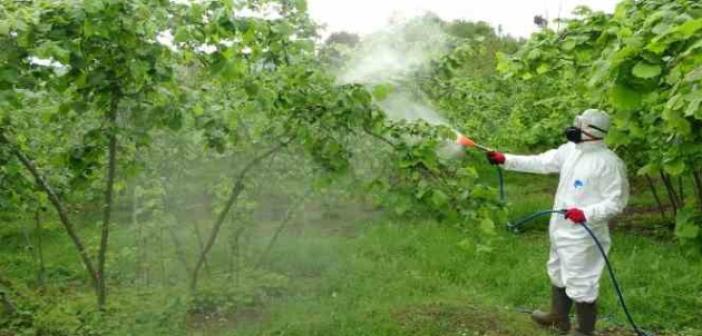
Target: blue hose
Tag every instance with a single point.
(620, 295)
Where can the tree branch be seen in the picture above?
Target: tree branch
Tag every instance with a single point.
(233, 196)
(286, 219)
(107, 210)
(379, 137)
(58, 205)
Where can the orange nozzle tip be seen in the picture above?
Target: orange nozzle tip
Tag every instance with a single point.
(465, 141)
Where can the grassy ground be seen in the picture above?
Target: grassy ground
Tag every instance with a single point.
(418, 278)
(356, 273)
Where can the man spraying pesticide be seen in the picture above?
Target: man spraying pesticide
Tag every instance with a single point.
(593, 188)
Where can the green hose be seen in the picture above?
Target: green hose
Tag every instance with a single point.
(516, 226)
(501, 181)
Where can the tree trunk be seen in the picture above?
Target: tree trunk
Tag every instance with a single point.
(286, 219)
(41, 271)
(177, 243)
(7, 304)
(110, 181)
(180, 253)
(60, 210)
(28, 242)
(681, 188)
(234, 251)
(697, 177)
(671, 192)
(140, 234)
(233, 196)
(232, 242)
(652, 187)
(200, 245)
(162, 255)
(237, 256)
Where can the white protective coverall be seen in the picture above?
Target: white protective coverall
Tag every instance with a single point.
(593, 179)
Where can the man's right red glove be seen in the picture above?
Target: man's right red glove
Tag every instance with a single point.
(495, 158)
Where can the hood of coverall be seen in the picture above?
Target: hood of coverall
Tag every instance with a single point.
(593, 117)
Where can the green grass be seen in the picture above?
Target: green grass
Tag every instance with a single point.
(420, 278)
(329, 275)
(415, 278)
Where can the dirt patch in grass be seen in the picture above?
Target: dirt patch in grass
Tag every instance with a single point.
(213, 322)
(644, 221)
(467, 320)
(462, 320)
(621, 331)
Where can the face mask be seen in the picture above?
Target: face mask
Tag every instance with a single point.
(574, 134)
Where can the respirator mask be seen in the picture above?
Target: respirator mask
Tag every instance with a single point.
(575, 133)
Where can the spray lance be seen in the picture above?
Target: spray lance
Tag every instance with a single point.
(467, 142)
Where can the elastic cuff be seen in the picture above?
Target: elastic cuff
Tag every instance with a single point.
(508, 160)
(589, 214)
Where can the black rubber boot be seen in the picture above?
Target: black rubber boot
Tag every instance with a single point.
(587, 317)
(558, 316)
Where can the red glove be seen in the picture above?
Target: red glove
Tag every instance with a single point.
(576, 215)
(495, 158)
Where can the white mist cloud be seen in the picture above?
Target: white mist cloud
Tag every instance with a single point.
(401, 105)
(391, 56)
(515, 16)
(394, 52)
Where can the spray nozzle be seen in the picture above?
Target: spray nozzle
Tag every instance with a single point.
(469, 143)
(465, 141)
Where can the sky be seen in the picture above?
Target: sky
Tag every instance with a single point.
(515, 16)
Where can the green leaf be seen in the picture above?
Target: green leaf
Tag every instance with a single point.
(687, 231)
(543, 68)
(466, 245)
(689, 28)
(92, 6)
(198, 110)
(382, 91)
(503, 62)
(301, 5)
(484, 248)
(625, 98)
(646, 70)
(694, 75)
(616, 138)
(182, 34)
(693, 107)
(402, 206)
(4, 27)
(233, 69)
(487, 226)
(568, 45)
(658, 45)
(251, 88)
(675, 168)
(439, 198)
(685, 226)
(534, 54)
(649, 169)
(676, 121)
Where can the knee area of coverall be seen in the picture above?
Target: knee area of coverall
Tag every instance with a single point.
(578, 290)
(582, 293)
(554, 274)
(578, 270)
